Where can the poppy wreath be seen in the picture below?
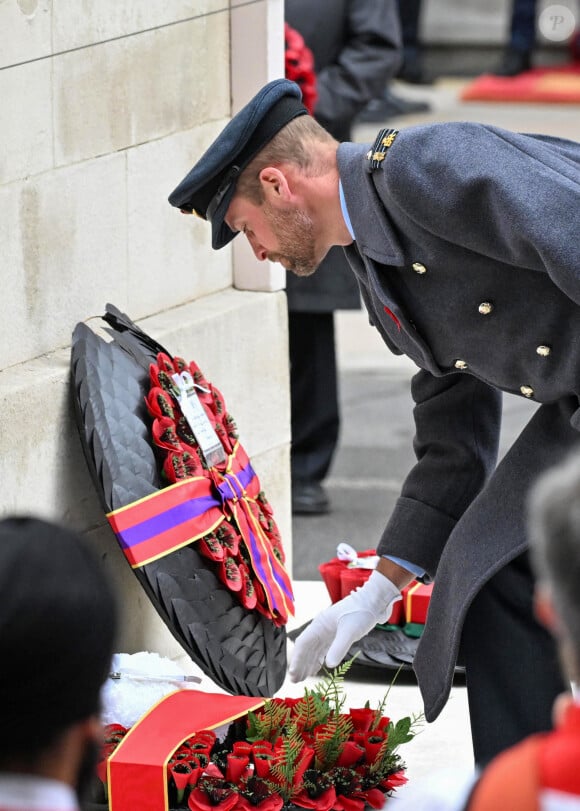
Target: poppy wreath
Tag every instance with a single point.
(163, 521)
(245, 545)
(292, 753)
(299, 66)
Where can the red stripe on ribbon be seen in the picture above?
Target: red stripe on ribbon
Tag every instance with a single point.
(176, 516)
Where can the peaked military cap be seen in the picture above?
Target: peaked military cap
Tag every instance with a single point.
(209, 187)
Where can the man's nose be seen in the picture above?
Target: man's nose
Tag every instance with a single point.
(259, 251)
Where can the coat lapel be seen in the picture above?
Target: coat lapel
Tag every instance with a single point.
(377, 250)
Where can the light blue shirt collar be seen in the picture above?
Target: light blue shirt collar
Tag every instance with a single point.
(344, 210)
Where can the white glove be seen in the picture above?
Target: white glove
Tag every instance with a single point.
(333, 631)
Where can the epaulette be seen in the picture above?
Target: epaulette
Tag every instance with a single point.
(383, 141)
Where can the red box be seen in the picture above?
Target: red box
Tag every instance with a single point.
(335, 571)
(350, 579)
(397, 614)
(416, 597)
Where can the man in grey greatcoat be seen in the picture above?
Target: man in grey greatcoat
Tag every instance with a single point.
(464, 241)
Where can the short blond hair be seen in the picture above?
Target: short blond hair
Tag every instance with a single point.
(292, 144)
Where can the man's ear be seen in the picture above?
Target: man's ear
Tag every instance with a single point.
(275, 186)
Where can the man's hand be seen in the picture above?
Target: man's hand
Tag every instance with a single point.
(332, 632)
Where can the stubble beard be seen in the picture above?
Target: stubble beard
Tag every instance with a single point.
(294, 230)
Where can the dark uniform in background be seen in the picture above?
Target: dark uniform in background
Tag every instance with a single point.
(467, 253)
(356, 47)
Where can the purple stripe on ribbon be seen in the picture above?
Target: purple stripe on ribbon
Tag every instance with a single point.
(276, 574)
(168, 519)
(230, 488)
(280, 580)
(257, 561)
(188, 510)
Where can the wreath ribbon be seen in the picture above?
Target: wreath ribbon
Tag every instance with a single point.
(175, 516)
(137, 769)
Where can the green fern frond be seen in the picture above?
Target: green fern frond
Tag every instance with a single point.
(284, 768)
(327, 747)
(311, 711)
(269, 723)
(332, 687)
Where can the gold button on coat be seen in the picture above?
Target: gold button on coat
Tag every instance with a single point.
(419, 268)
(543, 350)
(485, 307)
(460, 364)
(527, 391)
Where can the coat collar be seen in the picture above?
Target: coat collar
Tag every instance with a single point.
(375, 236)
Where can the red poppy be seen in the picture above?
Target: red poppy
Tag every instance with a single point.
(383, 723)
(228, 537)
(159, 403)
(362, 719)
(349, 803)
(324, 802)
(262, 746)
(351, 753)
(263, 764)
(229, 573)
(213, 771)
(212, 796)
(373, 744)
(248, 596)
(174, 467)
(180, 774)
(165, 435)
(242, 748)
(374, 797)
(394, 780)
(292, 702)
(237, 766)
(211, 548)
(273, 802)
(114, 732)
(197, 375)
(206, 736)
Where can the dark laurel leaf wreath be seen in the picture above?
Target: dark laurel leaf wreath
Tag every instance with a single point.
(239, 648)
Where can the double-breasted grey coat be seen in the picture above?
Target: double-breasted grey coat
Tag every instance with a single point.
(467, 256)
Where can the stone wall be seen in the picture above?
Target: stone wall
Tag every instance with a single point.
(105, 106)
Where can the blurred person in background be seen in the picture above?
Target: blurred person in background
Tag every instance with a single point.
(356, 48)
(58, 621)
(517, 57)
(386, 104)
